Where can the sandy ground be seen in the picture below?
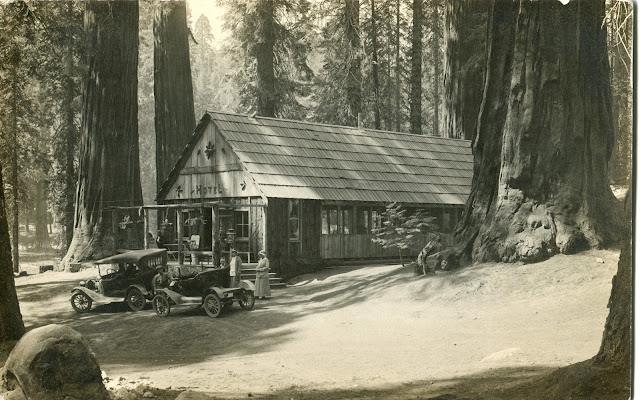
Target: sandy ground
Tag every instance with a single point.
(348, 328)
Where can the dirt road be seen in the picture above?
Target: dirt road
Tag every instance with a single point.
(350, 327)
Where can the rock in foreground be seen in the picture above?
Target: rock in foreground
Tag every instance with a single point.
(52, 363)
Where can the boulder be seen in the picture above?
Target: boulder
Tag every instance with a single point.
(53, 363)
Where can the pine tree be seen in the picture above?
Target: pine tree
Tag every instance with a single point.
(16, 34)
(271, 39)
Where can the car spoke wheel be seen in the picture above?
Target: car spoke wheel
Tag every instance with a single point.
(135, 299)
(247, 300)
(81, 302)
(161, 305)
(212, 305)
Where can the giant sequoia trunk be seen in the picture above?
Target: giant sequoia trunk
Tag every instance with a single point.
(615, 351)
(173, 90)
(70, 138)
(415, 112)
(465, 36)
(374, 67)
(544, 136)
(11, 326)
(266, 81)
(354, 77)
(42, 234)
(109, 174)
(15, 231)
(435, 50)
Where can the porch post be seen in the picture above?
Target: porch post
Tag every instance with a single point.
(145, 217)
(179, 223)
(214, 234)
(264, 228)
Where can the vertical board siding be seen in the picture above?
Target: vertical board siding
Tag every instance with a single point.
(256, 216)
(278, 235)
(310, 228)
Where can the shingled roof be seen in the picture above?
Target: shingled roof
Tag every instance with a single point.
(294, 159)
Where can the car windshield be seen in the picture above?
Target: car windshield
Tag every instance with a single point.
(107, 269)
(122, 270)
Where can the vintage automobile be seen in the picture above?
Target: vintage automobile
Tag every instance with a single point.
(208, 288)
(124, 277)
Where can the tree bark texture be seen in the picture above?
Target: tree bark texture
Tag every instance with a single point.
(374, 67)
(465, 37)
(544, 136)
(11, 325)
(70, 139)
(15, 211)
(620, 40)
(354, 78)
(415, 112)
(42, 234)
(173, 90)
(615, 350)
(266, 80)
(435, 50)
(397, 70)
(109, 174)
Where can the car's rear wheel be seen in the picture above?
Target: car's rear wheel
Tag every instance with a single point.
(212, 305)
(247, 300)
(81, 302)
(135, 299)
(161, 305)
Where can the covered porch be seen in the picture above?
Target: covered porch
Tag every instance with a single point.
(200, 233)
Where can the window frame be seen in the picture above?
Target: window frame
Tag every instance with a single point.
(243, 223)
(296, 218)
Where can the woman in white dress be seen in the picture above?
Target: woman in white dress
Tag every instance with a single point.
(262, 276)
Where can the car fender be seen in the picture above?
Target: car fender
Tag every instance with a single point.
(94, 296)
(215, 290)
(247, 285)
(174, 296)
(144, 291)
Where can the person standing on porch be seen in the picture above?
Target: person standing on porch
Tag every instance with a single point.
(263, 289)
(236, 268)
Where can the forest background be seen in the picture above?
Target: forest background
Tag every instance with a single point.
(332, 65)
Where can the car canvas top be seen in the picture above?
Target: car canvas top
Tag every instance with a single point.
(130, 256)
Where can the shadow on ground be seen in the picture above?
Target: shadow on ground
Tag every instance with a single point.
(187, 335)
(578, 381)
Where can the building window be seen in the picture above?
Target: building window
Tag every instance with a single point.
(294, 219)
(446, 221)
(241, 222)
(325, 221)
(362, 220)
(376, 219)
(330, 223)
(334, 226)
(347, 220)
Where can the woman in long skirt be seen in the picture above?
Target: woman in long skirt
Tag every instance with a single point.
(262, 276)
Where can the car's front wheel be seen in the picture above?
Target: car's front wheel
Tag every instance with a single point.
(81, 302)
(247, 299)
(212, 305)
(161, 305)
(135, 299)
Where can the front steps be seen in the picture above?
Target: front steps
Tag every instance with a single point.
(249, 273)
